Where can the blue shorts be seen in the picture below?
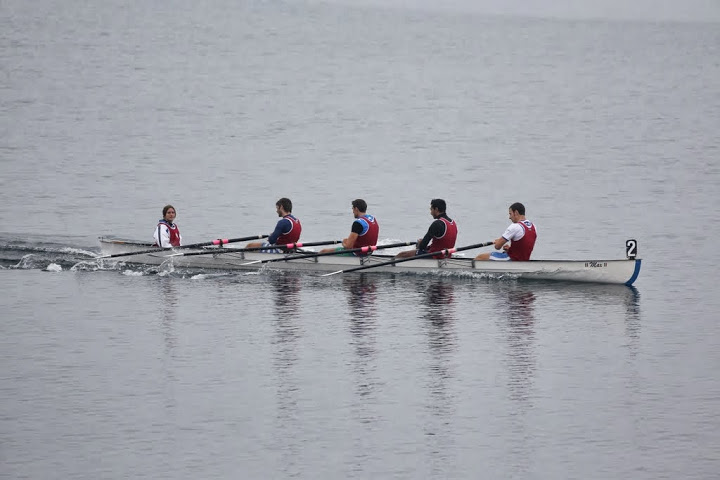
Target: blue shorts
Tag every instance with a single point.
(499, 256)
(270, 250)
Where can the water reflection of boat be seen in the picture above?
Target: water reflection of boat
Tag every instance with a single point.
(578, 298)
(439, 325)
(438, 317)
(515, 314)
(168, 294)
(287, 333)
(287, 294)
(439, 313)
(361, 291)
(571, 304)
(609, 301)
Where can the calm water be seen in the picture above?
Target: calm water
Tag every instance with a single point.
(606, 130)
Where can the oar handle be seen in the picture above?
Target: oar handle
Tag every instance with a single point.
(445, 253)
(372, 248)
(223, 241)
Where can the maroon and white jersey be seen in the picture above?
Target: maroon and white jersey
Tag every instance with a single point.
(522, 235)
(167, 235)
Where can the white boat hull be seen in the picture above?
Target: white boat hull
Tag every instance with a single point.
(226, 258)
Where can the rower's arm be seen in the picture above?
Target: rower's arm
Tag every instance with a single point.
(282, 226)
(499, 242)
(349, 242)
(359, 226)
(437, 229)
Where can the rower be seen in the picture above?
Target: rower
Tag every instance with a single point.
(522, 235)
(440, 236)
(364, 231)
(287, 229)
(167, 233)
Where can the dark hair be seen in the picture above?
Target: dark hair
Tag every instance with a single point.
(438, 203)
(518, 207)
(285, 203)
(360, 204)
(166, 208)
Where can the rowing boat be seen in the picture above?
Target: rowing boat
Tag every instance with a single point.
(623, 271)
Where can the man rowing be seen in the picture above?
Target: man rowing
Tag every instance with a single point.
(440, 236)
(364, 230)
(521, 234)
(287, 229)
(167, 233)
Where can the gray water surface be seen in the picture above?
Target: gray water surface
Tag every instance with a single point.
(605, 129)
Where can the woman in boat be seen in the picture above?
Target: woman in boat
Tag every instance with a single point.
(521, 234)
(287, 230)
(167, 233)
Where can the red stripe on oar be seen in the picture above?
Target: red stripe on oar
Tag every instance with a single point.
(220, 241)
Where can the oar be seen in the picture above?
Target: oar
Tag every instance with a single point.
(447, 252)
(337, 252)
(219, 241)
(287, 246)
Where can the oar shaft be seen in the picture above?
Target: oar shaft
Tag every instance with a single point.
(285, 246)
(445, 253)
(218, 241)
(369, 249)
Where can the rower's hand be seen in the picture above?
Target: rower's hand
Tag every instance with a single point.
(506, 247)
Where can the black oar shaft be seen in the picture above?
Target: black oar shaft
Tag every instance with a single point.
(285, 246)
(217, 241)
(369, 249)
(445, 253)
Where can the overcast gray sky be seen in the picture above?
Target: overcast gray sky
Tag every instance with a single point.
(683, 10)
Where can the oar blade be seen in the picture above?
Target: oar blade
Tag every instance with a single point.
(128, 254)
(331, 273)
